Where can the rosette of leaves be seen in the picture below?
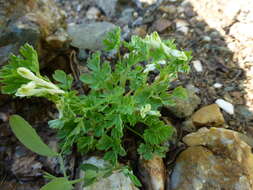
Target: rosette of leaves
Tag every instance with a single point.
(122, 94)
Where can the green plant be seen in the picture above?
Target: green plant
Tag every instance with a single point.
(122, 94)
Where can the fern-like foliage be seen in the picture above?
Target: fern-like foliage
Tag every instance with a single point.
(120, 96)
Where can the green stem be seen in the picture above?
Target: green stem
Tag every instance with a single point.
(135, 132)
(63, 169)
(76, 181)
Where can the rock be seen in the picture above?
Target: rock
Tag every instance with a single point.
(226, 106)
(140, 31)
(170, 9)
(89, 36)
(152, 173)
(244, 112)
(115, 181)
(149, 2)
(208, 116)
(126, 16)
(197, 66)
(192, 88)
(216, 159)
(182, 26)
(58, 40)
(217, 85)
(108, 6)
(33, 22)
(185, 107)
(161, 25)
(188, 126)
(26, 167)
(207, 39)
(93, 13)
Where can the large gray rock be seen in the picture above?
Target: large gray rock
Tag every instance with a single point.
(89, 36)
(217, 159)
(185, 107)
(116, 181)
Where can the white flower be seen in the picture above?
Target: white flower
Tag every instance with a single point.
(149, 67)
(26, 73)
(126, 56)
(162, 62)
(37, 86)
(31, 89)
(146, 110)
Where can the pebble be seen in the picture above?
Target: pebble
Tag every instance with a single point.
(93, 13)
(161, 24)
(197, 66)
(170, 9)
(207, 38)
(208, 116)
(182, 26)
(217, 85)
(226, 106)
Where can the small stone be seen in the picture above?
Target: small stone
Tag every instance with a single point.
(170, 9)
(161, 25)
(140, 31)
(208, 116)
(216, 159)
(217, 85)
(93, 13)
(207, 38)
(244, 112)
(188, 126)
(184, 107)
(58, 40)
(182, 26)
(153, 173)
(149, 2)
(192, 88)
(107, 6)
(26, 167)
(226, 106)
(126, 16)
(197, 66)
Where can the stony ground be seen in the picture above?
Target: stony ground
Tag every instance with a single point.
(219, 34)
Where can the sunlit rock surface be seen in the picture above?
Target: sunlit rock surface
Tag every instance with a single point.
(216, 159)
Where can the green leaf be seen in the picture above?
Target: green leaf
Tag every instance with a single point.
(111, 156)
(180, 92)
(86, 167)
(146, 151)
(158, 132)
(84, 144)
(94, 62)
(64, 79)
(30, 60)
(58, 184)
(28, 136)
(113, 39)
(104, 143)
(132, 177)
